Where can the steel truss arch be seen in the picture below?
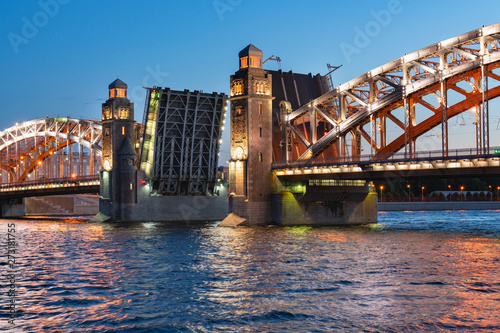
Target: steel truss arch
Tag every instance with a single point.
(25, 145)
(403, 83)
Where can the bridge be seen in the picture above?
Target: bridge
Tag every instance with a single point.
(54, 186)
(336, 143)
(49, 156)
(342, 133)
(49, 148)
(412, 94)
(458, 162)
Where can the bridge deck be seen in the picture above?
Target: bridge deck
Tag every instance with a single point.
(68, 185)
(458, 163)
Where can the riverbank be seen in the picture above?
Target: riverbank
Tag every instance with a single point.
(444, 205)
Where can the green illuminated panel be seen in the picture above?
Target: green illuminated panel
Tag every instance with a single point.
(148, 150)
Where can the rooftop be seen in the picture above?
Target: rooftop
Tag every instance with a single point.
(117, 84)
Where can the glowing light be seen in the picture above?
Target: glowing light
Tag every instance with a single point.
(73, 175)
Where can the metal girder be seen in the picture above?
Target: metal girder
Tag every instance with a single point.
(34, 149)
(432, 65)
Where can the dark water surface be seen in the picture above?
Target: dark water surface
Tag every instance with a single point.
(413, 271)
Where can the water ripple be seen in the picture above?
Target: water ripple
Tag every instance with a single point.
(413, 271)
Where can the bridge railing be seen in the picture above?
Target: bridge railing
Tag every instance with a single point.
(432, 155)
(65, 181)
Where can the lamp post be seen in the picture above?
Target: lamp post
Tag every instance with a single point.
(423, 187)
(498, 193)
(408, 192)
(461, 197)
(449, 192)
(381, 193)
(491, 193)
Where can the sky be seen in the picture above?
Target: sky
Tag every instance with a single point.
(58, 56)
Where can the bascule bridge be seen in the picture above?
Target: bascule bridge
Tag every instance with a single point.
(326, 149)
(302, 152)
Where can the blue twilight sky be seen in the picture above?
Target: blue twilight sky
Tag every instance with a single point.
(58, 56)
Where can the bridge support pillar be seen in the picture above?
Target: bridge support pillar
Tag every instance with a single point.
(325, 205)
(13, 208)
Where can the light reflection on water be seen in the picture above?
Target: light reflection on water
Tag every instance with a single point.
(413, 271)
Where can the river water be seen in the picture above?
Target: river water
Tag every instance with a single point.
(413, 271)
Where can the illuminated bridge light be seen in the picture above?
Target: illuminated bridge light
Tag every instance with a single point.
(289, 172)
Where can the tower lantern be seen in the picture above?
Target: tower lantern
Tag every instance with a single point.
(250, 57)
(117, 89)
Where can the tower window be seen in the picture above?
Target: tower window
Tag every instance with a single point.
(260, 131)
(112, 93)
(123, 113)
(260, 108)
(238, 112)
(243, 62)
(237, 88)
(260, 87)
(260, 157)
(256, 62)
(106, 113)
(123, 130)
(121, 93)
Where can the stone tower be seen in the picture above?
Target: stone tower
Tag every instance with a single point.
(251, 139)
(118, 174)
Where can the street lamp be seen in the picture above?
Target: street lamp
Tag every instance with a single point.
(498, 190)
(408, 192)
(449, 191)
(491, 193)
(461, 197)
(381, 193)
(423, 187)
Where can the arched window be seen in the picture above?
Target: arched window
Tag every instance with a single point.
(260, 157)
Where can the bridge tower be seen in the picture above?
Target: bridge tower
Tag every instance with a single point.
(251, 139)
(118, 174)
